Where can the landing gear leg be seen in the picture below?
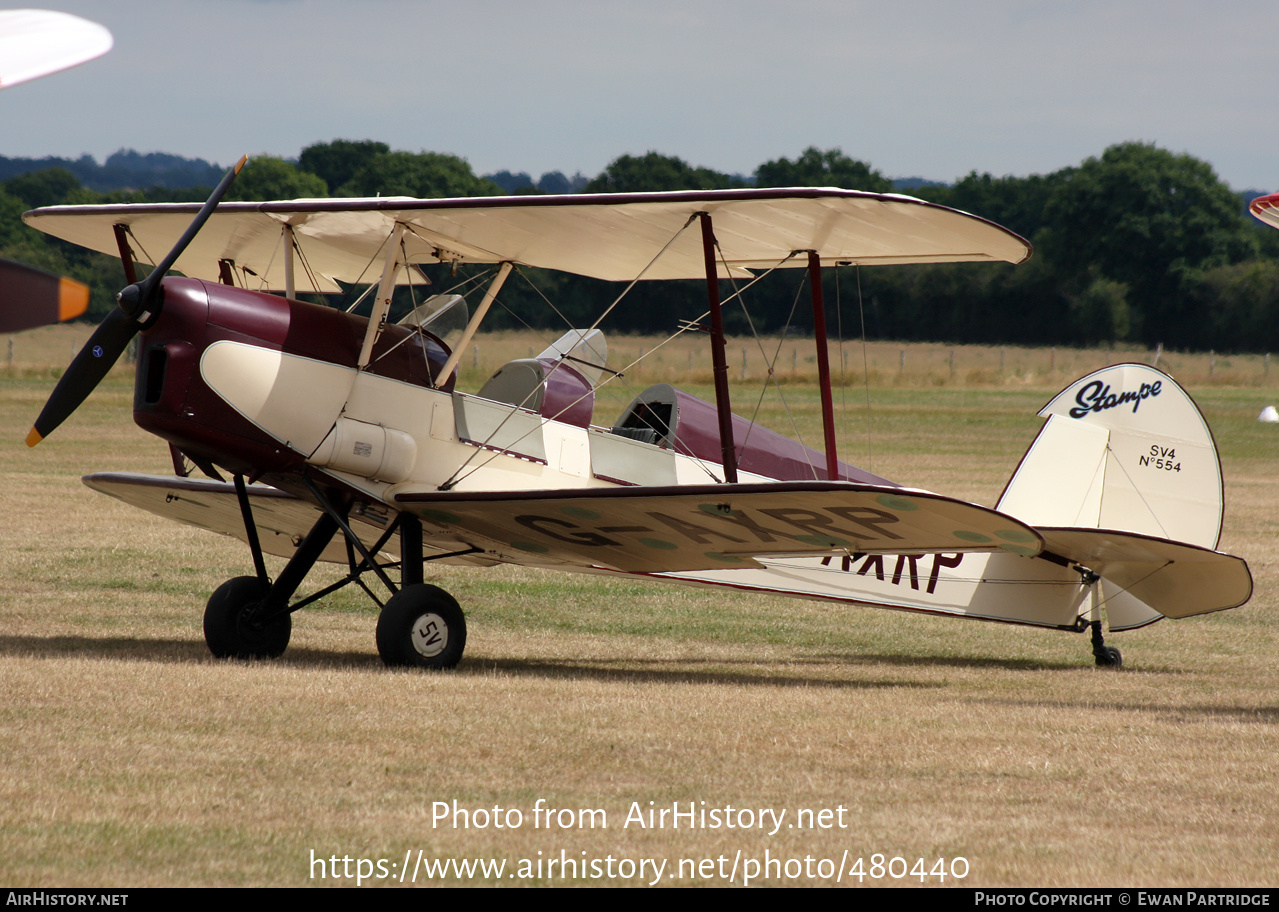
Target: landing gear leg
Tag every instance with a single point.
(1105, 656)
(421, 626)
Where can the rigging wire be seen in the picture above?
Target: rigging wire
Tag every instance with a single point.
(772, 364)
(453, 479)
(843, 356)
(306, 265)
(861, 311)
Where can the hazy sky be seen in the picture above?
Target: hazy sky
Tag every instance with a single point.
(915, 88)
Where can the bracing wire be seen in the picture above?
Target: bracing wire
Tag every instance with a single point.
(771, 363)
(861, 311)
(453, 479)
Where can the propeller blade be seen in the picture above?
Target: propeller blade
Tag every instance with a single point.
(137, 305)
(31, 297)
(139, 299)
(87, 369)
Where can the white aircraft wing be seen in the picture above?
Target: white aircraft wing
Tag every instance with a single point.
(616, 237)
(35, 43)
(710, 527)
(282, 520)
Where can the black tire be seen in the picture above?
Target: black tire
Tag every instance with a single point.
(226, 628)
(421, 626)
(1113, 658)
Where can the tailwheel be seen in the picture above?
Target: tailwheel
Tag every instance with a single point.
(1108, 657)
(421, 626)
(1105, 656)
(230, 628)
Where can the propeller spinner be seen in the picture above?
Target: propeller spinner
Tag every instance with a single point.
(138, 304)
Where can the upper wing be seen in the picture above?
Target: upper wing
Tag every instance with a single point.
(39, 42)
(706, 527)
(607, 236)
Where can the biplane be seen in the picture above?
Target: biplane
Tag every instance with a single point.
(346, 438)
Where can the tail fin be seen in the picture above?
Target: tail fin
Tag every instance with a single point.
(1124, 448)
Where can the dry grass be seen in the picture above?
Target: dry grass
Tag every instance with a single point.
(130, 758)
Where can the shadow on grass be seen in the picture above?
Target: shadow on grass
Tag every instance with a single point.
(665, 671)
(934, 661)
(676, 671)
(161, 650)
(1265, 715)
(778, 672)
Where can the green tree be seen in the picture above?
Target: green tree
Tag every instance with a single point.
(424, 175)
(1239, 305)
(269, 178)
(338, 161)
(654, 172)
(1017, 203)
(815, 168)
(1100, 313)
(47, 187)
(12, 231)
(1147, 218)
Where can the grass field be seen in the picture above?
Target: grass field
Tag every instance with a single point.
(129, 757)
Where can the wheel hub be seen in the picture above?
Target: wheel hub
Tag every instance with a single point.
(430, 635)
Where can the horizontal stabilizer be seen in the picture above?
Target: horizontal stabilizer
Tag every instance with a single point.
(713, 527)
(1173, 578)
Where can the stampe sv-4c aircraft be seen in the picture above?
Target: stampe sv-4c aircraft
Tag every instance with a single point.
(352, 426)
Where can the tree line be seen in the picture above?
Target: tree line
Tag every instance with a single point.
(1136, 245)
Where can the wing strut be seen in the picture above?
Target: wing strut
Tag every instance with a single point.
(290, 283)
(823, 363)
(382, 303)
(126, 252)
(502, 272)
(718, 359)
(251, 529)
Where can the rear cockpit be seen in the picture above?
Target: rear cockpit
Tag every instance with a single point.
(559, 383)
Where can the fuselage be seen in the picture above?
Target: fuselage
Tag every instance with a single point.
(270, 387)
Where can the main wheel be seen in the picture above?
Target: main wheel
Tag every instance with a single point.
(227, 628)
(421, 626)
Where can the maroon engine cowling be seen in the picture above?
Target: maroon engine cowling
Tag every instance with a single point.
(172, 401)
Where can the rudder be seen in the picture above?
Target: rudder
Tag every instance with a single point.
(1124, 448)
